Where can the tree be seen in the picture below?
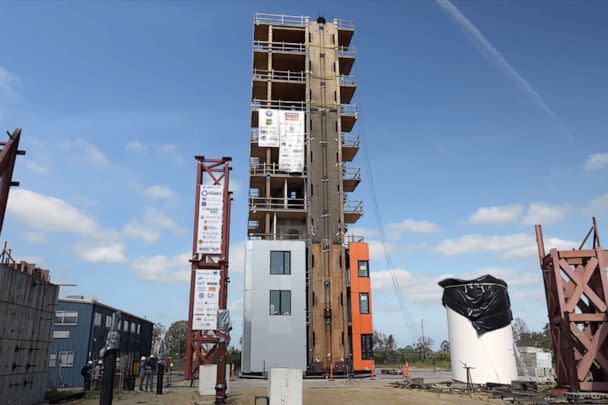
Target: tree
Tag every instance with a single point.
(379, 340)
(175, 338)
(390, 343)
(444, 346)
(157, 335)
(424, 345)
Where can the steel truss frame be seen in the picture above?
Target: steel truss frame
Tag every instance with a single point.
(206, 347)
(576, 290)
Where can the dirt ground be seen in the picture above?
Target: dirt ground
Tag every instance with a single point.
(322, 392)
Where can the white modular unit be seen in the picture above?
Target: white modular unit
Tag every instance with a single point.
(274, 307)
(491, 356)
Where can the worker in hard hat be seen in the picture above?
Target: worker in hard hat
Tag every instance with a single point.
(85, 372)
(96, 373)
(142, 372)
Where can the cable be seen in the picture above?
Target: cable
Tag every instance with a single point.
(409, 320)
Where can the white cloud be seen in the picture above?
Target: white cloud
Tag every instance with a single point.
(113, 252)
(376, 249)
(159, 192)
(411, 225)
(42, 212)
(598, 205)
(8, 82)
(150, 226)
(235, 186)
(542, 213)
(35, 167)
(136, 146)
(416, 287)
(163, 268)
(237, 257)
(35, 238)
(168, 150)
(511, 246)
(87, 151)
(496, 215)
(596, 161)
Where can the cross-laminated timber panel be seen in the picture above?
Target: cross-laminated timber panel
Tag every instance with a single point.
(576, 291)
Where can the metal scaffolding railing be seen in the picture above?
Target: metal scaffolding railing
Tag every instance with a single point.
(280, 19)
(279, 75)
(346, 52)
(348, 80)
(351, 173)
(263, 169)
(282, 47)
(278, 105)
(353, 206)
(350, 141)
(277, 236)
(343, 24)
(349, 109)
(277, 203)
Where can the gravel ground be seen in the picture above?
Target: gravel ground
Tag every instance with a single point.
(357, 392)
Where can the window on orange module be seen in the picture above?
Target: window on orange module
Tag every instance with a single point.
(367, 352)
(363, 268)
(364, 303)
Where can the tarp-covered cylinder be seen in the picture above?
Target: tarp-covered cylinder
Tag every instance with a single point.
(480, 332)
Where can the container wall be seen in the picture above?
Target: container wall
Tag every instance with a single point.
(274, 333)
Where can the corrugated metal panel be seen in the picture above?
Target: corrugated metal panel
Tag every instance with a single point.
(77, 342)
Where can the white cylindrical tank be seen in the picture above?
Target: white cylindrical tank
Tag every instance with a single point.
(490, 354)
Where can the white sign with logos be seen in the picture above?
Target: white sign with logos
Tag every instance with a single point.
(206, 299)
(291, 151)
(268, 128)
(210, 219)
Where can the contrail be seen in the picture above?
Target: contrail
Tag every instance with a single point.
(464, 22)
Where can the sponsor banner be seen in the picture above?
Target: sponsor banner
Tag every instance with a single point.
(210, 220)
(206, 299)
(291, 150)
(268, 128)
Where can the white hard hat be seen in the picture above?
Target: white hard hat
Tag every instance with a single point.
(143, 357)
(100, 362)
(90, 362)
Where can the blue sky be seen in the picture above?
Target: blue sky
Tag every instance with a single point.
(469, 144)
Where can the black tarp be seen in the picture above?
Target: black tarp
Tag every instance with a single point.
(484, 301)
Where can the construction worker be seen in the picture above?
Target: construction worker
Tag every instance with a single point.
(85, 372)
(142, 372)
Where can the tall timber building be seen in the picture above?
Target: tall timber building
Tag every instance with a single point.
(307, 300)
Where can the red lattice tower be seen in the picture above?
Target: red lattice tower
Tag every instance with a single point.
(205, 346)
(577, 299)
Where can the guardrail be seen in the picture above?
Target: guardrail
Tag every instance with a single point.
(279, 236)
(278, 105)
(277, 203)
(348, 80)
(343, 24)
(351, 173)
(284, 75)
(349, 109)
(280, 19)
(353, 206)
(352, 141)
(283, 47)
(346, 52)
(267, 168)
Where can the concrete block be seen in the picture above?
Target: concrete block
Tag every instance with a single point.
(207, 375)
(285, 386)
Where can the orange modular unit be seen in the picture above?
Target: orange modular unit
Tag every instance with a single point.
(362, 327)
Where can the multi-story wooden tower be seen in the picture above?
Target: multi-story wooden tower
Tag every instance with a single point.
(300, 179)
